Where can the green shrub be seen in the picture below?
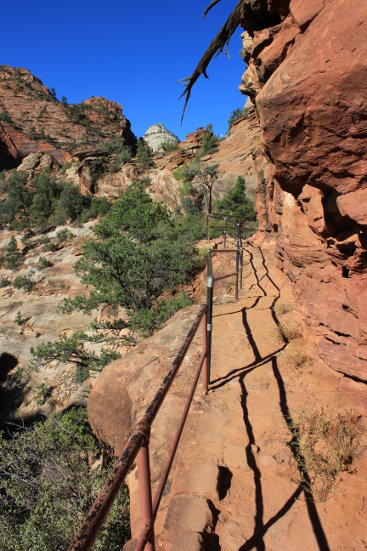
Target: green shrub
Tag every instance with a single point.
(43, 393)
(72, 350)
(47, 486)
(44, 263)
(143, 154)
(210, 141)
(65, 166)
(235, 115)
(99, 206)
(82, 303)
(135, 213)
(120, 159)
(131, 274)
(48, 245)
(138, 254)
(18, 318)
(47, 192)
(169, 145)
(70, 204)
(4, 282)
(23, 282)
(191, 227)
(149, 320)
(4, 116)
(237, 204)
(11, 255)
(19, 197)
(64, 235)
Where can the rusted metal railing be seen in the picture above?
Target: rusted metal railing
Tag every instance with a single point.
(138, 444)
(228, 228)
(138, 447)
(210, 280)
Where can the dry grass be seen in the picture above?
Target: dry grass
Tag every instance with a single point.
(290, 331)
(283, 307)
(296, 354)
(297, 357)
(324, 445)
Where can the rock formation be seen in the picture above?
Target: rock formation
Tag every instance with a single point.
(306, 75)
(238, 154)
(33, 120)
(157, 135)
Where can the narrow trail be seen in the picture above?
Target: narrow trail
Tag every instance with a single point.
(235, 456)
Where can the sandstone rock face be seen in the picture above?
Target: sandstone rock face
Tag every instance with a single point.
(126, 387)
(41, 322)
(113, 408)
(240, 154)
(32, 119)
(156, 135)
(37, 161)
(306, 76)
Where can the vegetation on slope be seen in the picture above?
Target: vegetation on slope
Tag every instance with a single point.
(139, 252)
(49, 478)
(46, 202)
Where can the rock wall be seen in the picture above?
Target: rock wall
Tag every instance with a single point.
(307, 74)
(240, 154)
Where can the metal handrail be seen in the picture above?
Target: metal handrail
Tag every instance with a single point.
(228, 220)
(138, 446)
(210, 280)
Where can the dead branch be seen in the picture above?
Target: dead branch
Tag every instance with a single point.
(211, 5)
(215, 48)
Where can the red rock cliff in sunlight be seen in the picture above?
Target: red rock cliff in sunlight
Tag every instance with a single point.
(307, 75)
(32, 119)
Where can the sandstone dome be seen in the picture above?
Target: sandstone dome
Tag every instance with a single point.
(158, 134)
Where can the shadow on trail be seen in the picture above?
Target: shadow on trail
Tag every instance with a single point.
(306, 485)
(251, 461)
(256, 541)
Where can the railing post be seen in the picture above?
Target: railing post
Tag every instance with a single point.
(237, 261)
(145, 499)
(209, 288)
(204, 353)
(241, 269)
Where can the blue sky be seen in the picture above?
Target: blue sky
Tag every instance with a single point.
(130, 52)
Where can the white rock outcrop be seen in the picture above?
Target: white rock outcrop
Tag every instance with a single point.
(158, 134)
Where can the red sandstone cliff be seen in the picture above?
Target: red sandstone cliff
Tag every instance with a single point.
(307, 74)
(32, 119)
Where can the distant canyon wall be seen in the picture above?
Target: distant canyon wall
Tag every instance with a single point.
(307, 75)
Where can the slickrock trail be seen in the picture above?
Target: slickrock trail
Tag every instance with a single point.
(235, 484)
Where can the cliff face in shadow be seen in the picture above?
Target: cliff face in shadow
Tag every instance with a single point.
(306, 75)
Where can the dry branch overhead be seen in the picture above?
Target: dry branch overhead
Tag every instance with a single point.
(211, 5)
(215, 48)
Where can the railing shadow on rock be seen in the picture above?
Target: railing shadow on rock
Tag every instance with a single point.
(137, 446)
